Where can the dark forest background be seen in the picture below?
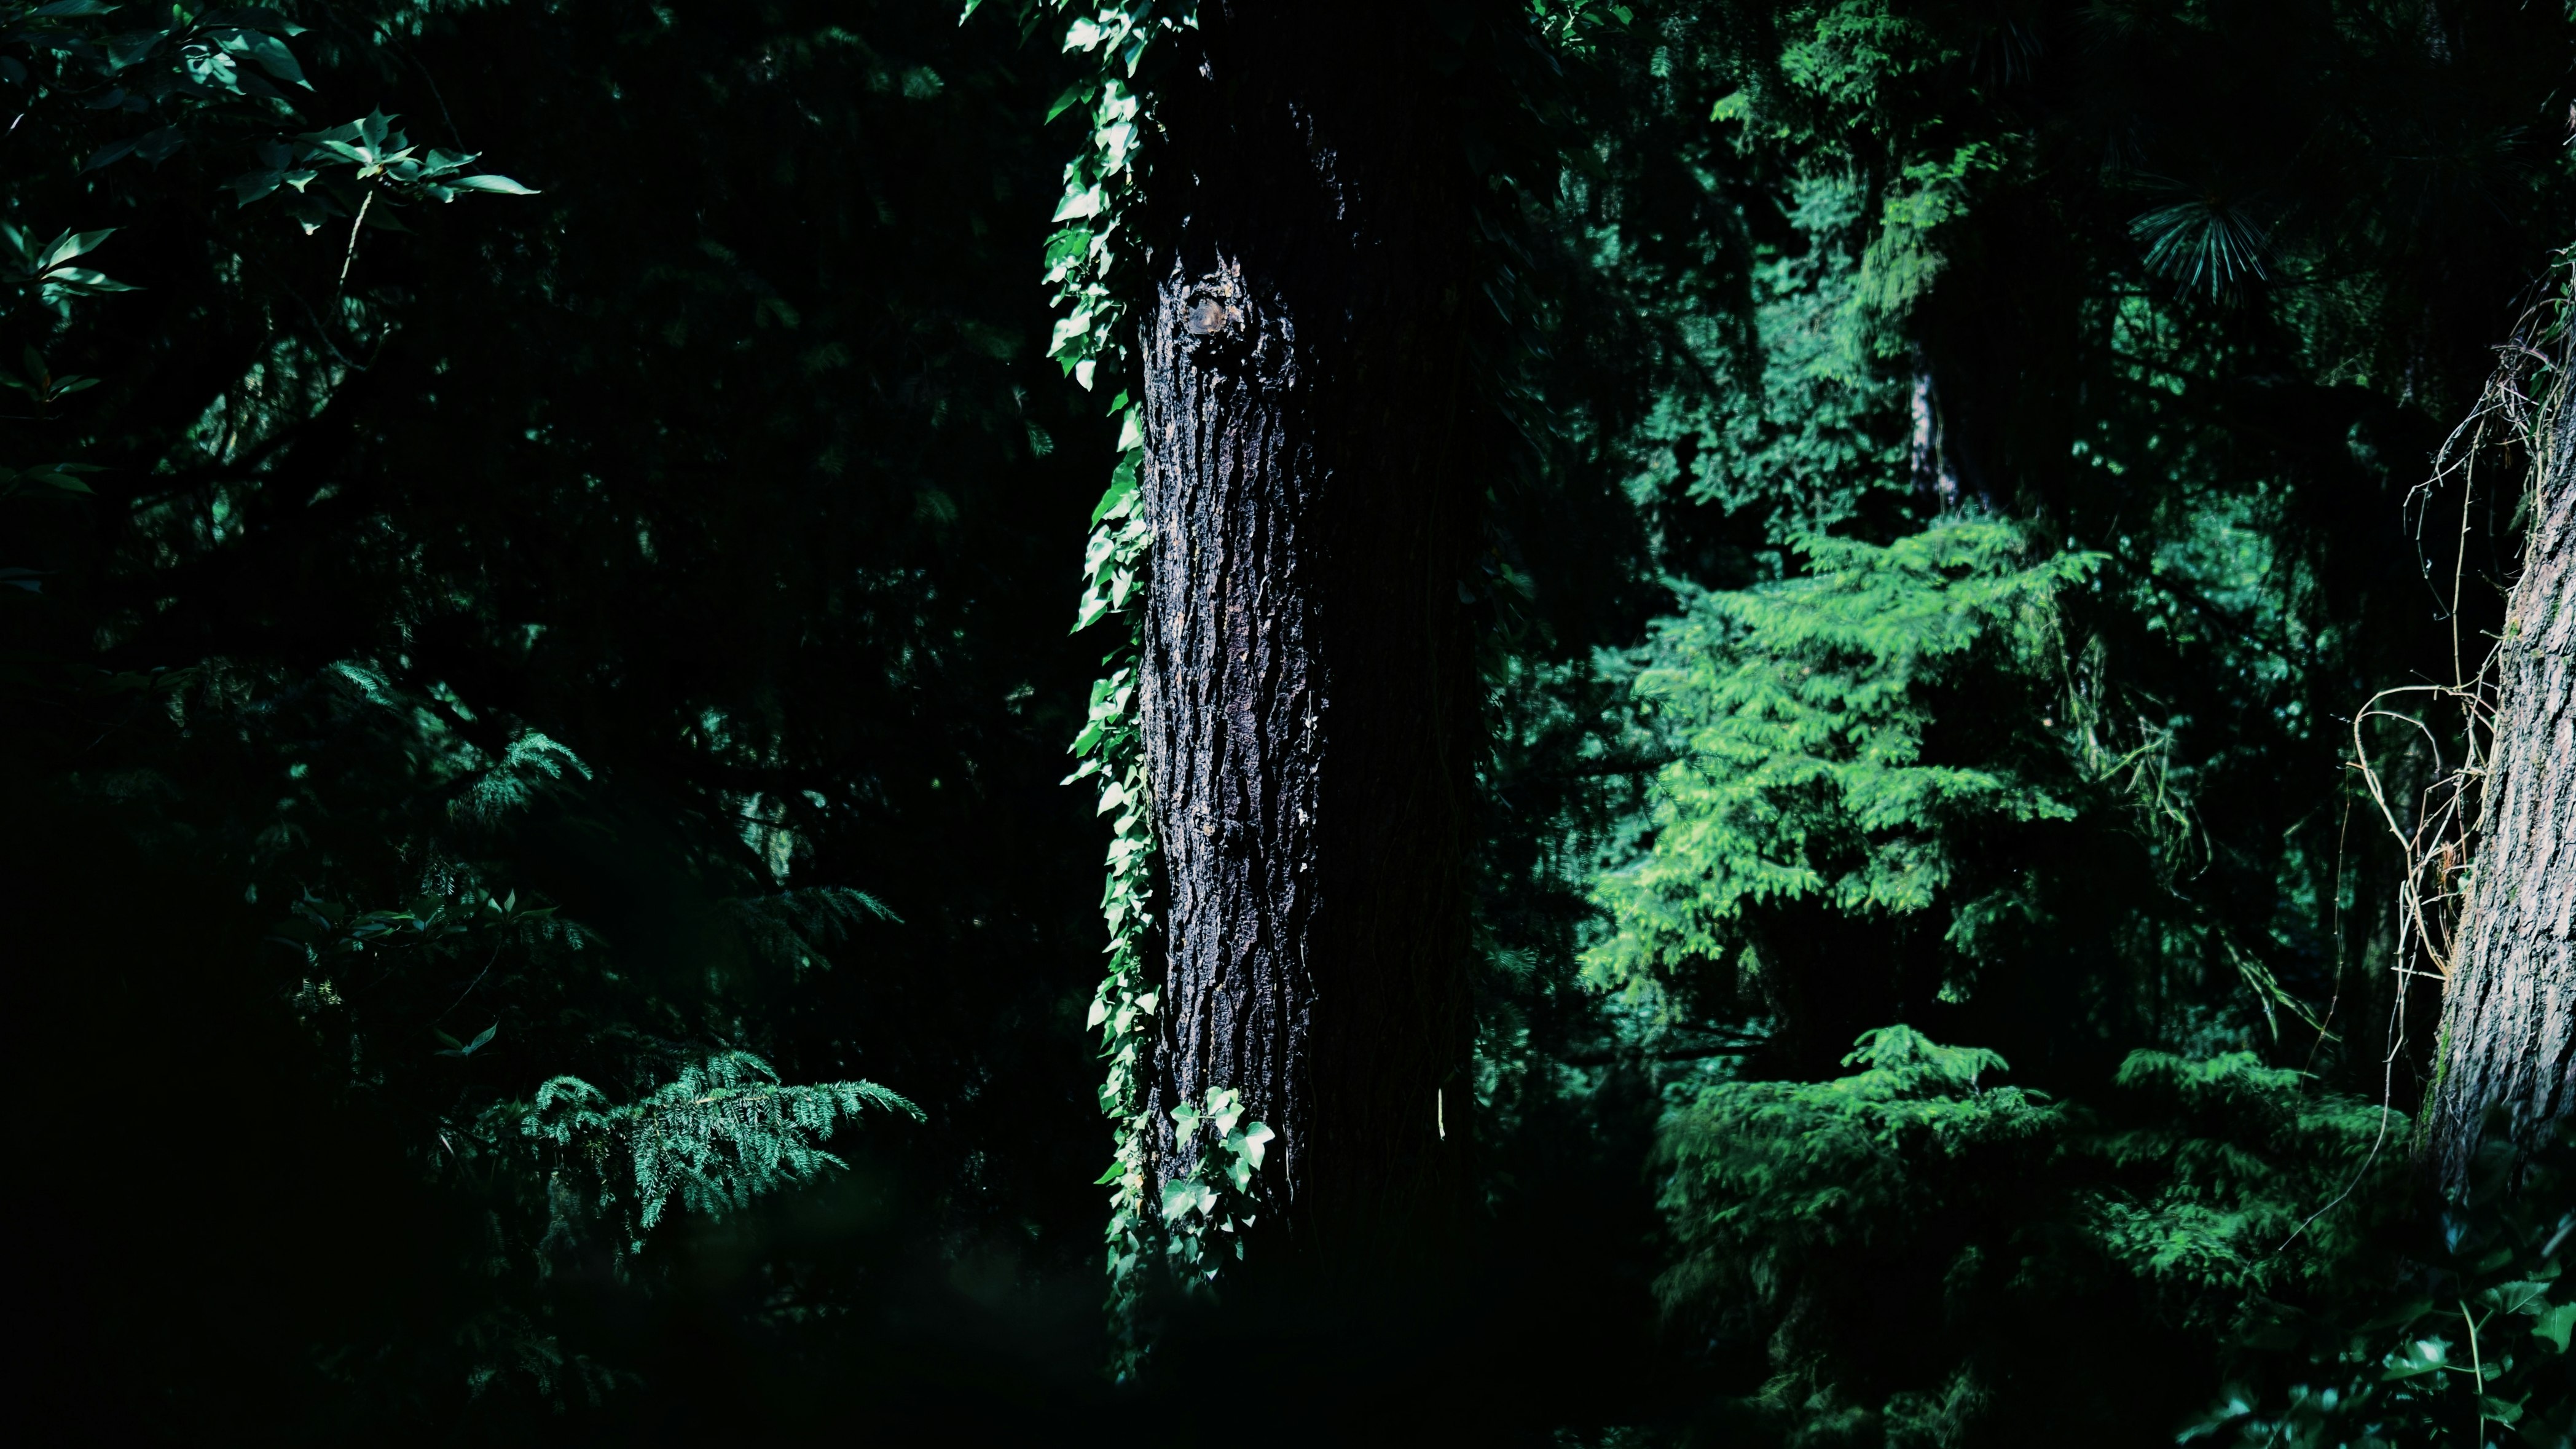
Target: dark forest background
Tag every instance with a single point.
(460, 643)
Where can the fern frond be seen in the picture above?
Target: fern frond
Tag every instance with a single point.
(720, 1134)
(798, 926)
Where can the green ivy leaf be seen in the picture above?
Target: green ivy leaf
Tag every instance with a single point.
(2554, 1326)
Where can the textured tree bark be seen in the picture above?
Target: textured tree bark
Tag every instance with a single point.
(2509, 1015)
(1307, 682)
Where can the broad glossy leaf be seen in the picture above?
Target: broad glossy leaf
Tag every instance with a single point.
(271, 55)
(71, 244)
(85, 279)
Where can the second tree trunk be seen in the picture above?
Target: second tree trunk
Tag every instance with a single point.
(2509, 1013)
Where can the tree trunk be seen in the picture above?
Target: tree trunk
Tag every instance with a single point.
(1308, 709)
(2509, 1015)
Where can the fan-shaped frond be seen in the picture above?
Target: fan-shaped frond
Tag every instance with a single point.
(2210, 243)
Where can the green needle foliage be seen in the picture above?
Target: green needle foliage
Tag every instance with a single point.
(1938, 1261)
(2105, 404)
(1799, 712)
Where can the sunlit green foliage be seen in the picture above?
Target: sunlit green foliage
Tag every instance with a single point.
(1909, 277)
(1798, 711)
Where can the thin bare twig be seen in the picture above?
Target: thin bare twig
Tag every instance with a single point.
(351, 258)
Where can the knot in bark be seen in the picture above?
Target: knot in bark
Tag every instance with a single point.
(1216, 318)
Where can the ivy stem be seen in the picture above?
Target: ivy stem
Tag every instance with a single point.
(2477, 1369)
